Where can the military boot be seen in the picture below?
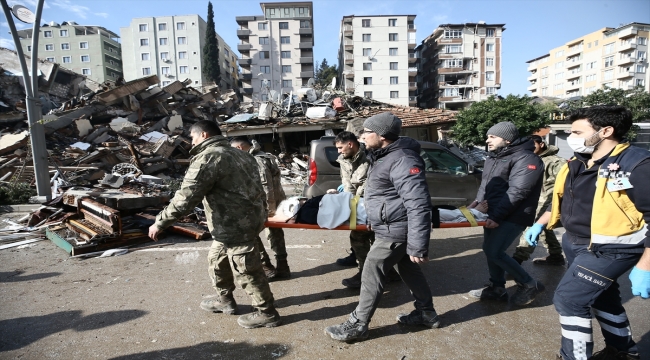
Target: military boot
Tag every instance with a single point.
(258, 318)
(269, 269)
(556, 260)
(221, 303)
(282, 271)
(611, 353)
(428, 318)
(353, 282)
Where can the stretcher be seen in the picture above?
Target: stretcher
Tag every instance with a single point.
(291, 224)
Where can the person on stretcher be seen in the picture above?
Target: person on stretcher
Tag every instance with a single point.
(456, 216)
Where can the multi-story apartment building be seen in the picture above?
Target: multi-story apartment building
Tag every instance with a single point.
(609, 57)
(171, 47)
(459, 65)
(92, 51)
(276, 49)
(377, 58)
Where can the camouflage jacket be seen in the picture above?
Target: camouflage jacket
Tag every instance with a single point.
(226, 180)
(552, 165)
(354, 172)
(270, 176)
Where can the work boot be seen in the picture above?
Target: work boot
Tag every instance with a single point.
(427, 318)
(282, 271)
(269, 318)
(526, 293)
(350, 260)
(612, 353)
(556, 260)
(490, 292)
(353, 329)
(221, 303)
(393, 275)
(353, 282)
(269, 270)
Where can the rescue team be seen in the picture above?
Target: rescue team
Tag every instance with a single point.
(599, 196)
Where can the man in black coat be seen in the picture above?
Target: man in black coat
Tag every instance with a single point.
(399, 212)
(512, 182)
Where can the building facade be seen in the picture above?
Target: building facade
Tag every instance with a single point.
(276, 49)
(609, 57)
(171, 47)
(92, 51)
(377, 58)
(459, 64)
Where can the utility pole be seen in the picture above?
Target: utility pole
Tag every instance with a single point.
(34, 112)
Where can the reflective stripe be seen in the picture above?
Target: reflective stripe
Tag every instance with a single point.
(626, 331)
(575, 321)
(580, 350)
(577, 335)
(631, 239)
(620, 319)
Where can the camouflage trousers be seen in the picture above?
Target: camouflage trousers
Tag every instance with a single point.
(240, 262)
(360, 242)
(275, 237)
(547, 237)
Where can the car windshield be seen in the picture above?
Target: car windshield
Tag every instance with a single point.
(439, 161)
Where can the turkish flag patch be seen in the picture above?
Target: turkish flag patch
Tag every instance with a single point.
(532, 167)
(414, 171)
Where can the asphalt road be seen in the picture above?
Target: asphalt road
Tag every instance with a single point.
(145, 305)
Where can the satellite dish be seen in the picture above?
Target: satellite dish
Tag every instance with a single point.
(333, 85)
(311, 82)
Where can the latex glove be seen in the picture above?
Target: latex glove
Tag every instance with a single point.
(532, 234)
(640, 282)
(340, 188)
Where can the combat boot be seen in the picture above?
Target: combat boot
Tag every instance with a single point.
(611, 353)
(556, 260)
(269, 270)
(526, 293)
(221, 303)
(268, 318)
(428, 318)
(353, 282)
(353, 329)
(350, 260)
(282, 271)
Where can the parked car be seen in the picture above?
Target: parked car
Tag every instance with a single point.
(451, 180)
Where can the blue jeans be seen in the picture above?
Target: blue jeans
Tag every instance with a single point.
(495, 243)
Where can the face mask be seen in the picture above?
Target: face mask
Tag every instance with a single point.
(578, 144)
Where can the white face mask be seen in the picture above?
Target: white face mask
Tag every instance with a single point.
(579, 144)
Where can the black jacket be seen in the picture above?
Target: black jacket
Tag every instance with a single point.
(511, 184)
(397, 196)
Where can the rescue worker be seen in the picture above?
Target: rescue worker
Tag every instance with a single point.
(270, 176)
(227, 181)
(601, 197)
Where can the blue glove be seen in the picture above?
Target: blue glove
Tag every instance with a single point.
(340, 188)
(640, 282)
(532, 235)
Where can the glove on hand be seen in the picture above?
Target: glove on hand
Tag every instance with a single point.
(340, 188)
(640, 282)
(532, 235)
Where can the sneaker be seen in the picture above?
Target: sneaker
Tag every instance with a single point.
(556, 260)
(490, 293)
(427, 318)
(222, 303)
(353, 282)
(350, 260)
(282, 271)
(269, 270)
(526, 293)
(353, 329)
(259, 318)
(612, 353)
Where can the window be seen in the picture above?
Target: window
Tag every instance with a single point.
(262, 26)
(65, 46)
(144, 42)
(264, 40)
(490, 32)
(450, 49)
(453, 34)
(146, 71)
(491, 91)
(367, 52)
(162, 41)
(264, 54)
(640, 55)
(558, 86)
(285, 40)
(439, 161)
(164, 55)
(286, 68)
(286, 83)
(392, 37)
(609, 61)
(142, 27)
(591, 65)
(559, 65)
(226, 53)
(392, 22)
(164, 70)
(608, 74)
(640, 68)
(180, 26)
(49, 47)
(85, 71)
(367, 81)
(489, 75)
(609, 48)
(588, 45)
(367, 66)
(365, 37)
(559, 53)
(489, 61)
(392, 51)
(285, 54)
(182, 54)
(453, 63)
(265, 69)
(394, 94)
(287, 11)
(85, 58)
(489, 47)
(304, 24)
(67, 59)
(284, 25)
(544, 91)
(559, 76)
(591, 77)
(365, 23)
(393, 80)
(50, 59)
(367, 94)
(640, 82)
(545, 70)
(47, 33)
(182, 40)
(162, 27)
(642, 40)
(83, 45)
(393, 66)
(545, 81)
(183, 69)
(145, 56)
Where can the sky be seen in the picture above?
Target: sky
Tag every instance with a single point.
(533, 27)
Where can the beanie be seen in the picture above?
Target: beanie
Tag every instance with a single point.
(384, 124)
(505, 130)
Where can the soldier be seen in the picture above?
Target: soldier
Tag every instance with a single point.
(226, 180)
(270, 176)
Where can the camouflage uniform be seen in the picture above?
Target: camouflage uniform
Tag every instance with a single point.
(235, 208)
(354, 172)
(552, 165)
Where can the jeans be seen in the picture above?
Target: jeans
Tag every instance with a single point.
(495, 243)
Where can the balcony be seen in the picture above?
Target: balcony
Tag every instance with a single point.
(306, 60)
(448, 41)
(349, 60)
(413, 100)
(413, 86)
(247, 77)
(243, 20)
(413, 71)
(627, 33)
(245, 62)
(629, 45)
(623, 60)
(574, 51)
(244, 33)
(411, 27)
(412, 44)
(532, 77)
(625, 74)
(444, 70)
(247, 90)
(572, 75)
(349, 75)
(532, 87)
(244, 47)
(307, 74)
(348, 44)
(413, 57)
(305, 45)
(572, 85)
(305, 31)
(347, 30)
(456, 99)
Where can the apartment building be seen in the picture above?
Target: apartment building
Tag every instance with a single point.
(276, 49)
(92, 51)
(459, 64)
(171, 47)
(377, 58)
(609, 57)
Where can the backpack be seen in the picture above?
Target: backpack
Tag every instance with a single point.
(308, 212)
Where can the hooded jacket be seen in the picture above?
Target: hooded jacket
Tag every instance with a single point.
(511, 184)
(397, 197)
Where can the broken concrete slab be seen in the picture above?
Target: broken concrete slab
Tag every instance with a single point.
(55, 122)
(81, 145)
(83, 126)
(118, 123)
(11, 142)
(175, 122)
(114, 96)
